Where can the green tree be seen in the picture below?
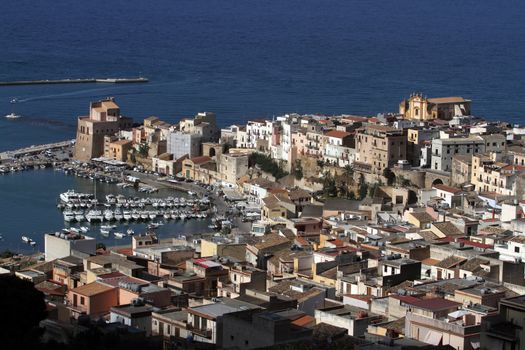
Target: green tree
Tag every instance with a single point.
(298, 170)
(226, 147)
(389, 175)
(349, 171)
(143, 149)
(267, 164)
(329, 186)
(363, 190)
(7, 254)
(372, 190)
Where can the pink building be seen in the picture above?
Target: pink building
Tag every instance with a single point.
(93, 299)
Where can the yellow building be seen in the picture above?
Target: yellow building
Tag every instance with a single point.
(491, 175)
(118, 150)
(202, 169)
(419, 107)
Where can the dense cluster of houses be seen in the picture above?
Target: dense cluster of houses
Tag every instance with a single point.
(430, 255)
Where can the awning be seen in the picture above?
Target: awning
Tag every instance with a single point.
(433, 338)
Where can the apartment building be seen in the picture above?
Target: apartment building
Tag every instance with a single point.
(117, 149)
(444, 149)
(259, 134)
(234, 135)
(338, 149)
(204, 124)
(417, 147)
(379, 147)
(491, 175)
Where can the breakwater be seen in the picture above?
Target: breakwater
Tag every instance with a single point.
(75, 81)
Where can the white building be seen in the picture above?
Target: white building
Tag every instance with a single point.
(513, 250)
(180, 144)
(134, 315)
(205, 321)
(450, 195)
(60, 245)
(256, 130)
(444, 149)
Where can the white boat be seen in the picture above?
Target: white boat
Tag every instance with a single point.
(167, 216)
(71, 196)
(94, 216)
(144, 215)
(69, 216)
(108, 215)
(13, 115)
(152, 215)
(84, 229)
(119, 235)
(127, 215)
(118, 215)
(28, 240)
(108, 227)
(80, 217)
(130, 232)
(135, 216)
(104, 232)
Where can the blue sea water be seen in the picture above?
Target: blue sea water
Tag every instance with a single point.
(247, 58)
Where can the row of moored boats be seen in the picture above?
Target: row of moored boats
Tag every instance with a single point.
(79, 207)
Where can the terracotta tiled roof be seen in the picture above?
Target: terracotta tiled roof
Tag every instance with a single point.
(450, 262)
(451, 99)
(433, 304)
(200, 160)
(92, 289)
(337, 134)
(446, 188)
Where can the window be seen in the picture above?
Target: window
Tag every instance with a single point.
(516, 249)
(82, 300)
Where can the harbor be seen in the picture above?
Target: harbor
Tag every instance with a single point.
(75, 81)
(102, 199)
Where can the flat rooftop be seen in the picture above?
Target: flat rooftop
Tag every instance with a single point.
(222, 307)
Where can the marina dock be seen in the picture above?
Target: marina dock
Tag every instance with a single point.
(76, 81)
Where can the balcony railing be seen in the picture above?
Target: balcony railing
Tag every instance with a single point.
(206, 333)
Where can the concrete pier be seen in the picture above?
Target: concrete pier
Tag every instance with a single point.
(34, 149)
(76, 81)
